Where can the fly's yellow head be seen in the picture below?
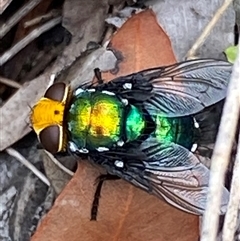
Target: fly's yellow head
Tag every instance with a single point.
(47, 118)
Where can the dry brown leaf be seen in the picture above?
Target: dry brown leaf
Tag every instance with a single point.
(125, 212)
(140, 45)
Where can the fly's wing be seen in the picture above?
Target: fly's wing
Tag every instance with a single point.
(166, 170)
(181, 89)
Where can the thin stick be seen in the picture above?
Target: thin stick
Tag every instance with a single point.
(4, 4)
(59, 164)
(17, 17)
(110, 29)
(29, 165)
(230, 222)
(10, 83)
(221, 155)
(43, 18)
(201, 39)
(29, 38)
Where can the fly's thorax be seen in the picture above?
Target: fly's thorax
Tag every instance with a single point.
(179, 130)
(98, 120)
(95, 119)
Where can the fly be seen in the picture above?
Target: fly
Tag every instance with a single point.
(140, 127)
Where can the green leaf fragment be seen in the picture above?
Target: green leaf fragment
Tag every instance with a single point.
(231, 53)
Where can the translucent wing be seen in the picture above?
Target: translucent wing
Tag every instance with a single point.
(168, 171)
(181, 89)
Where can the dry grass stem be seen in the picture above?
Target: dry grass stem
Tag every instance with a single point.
(10, 83)
(4, 4)
(110, 29)
(63, 168)
(28, 39)
(41, 19)
(221, 155)
(108, 35)
(29, 165)
(230, 222)
(23, 11)
(201, 39)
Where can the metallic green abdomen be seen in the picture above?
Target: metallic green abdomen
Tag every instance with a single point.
(177, 130)
(135, 123)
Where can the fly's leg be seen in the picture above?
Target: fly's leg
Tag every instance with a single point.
(97, 194)
(98, 75)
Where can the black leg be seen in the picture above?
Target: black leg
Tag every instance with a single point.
(97, 194)
(98, 75)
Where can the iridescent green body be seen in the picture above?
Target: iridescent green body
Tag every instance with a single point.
(97, 119)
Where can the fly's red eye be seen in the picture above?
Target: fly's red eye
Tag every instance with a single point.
(56, 92)
(50, 138)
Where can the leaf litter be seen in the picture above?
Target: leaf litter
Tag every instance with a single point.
(74, 66)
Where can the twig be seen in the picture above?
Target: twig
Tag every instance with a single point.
(110, 29)
(18, 16)
(10, 83)
(201, 39)
(25, 162)
(62, 167)
(230, 222)
(221, 155)
(30, 37)
(4, 4)
(107, 36)
(43, 18)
